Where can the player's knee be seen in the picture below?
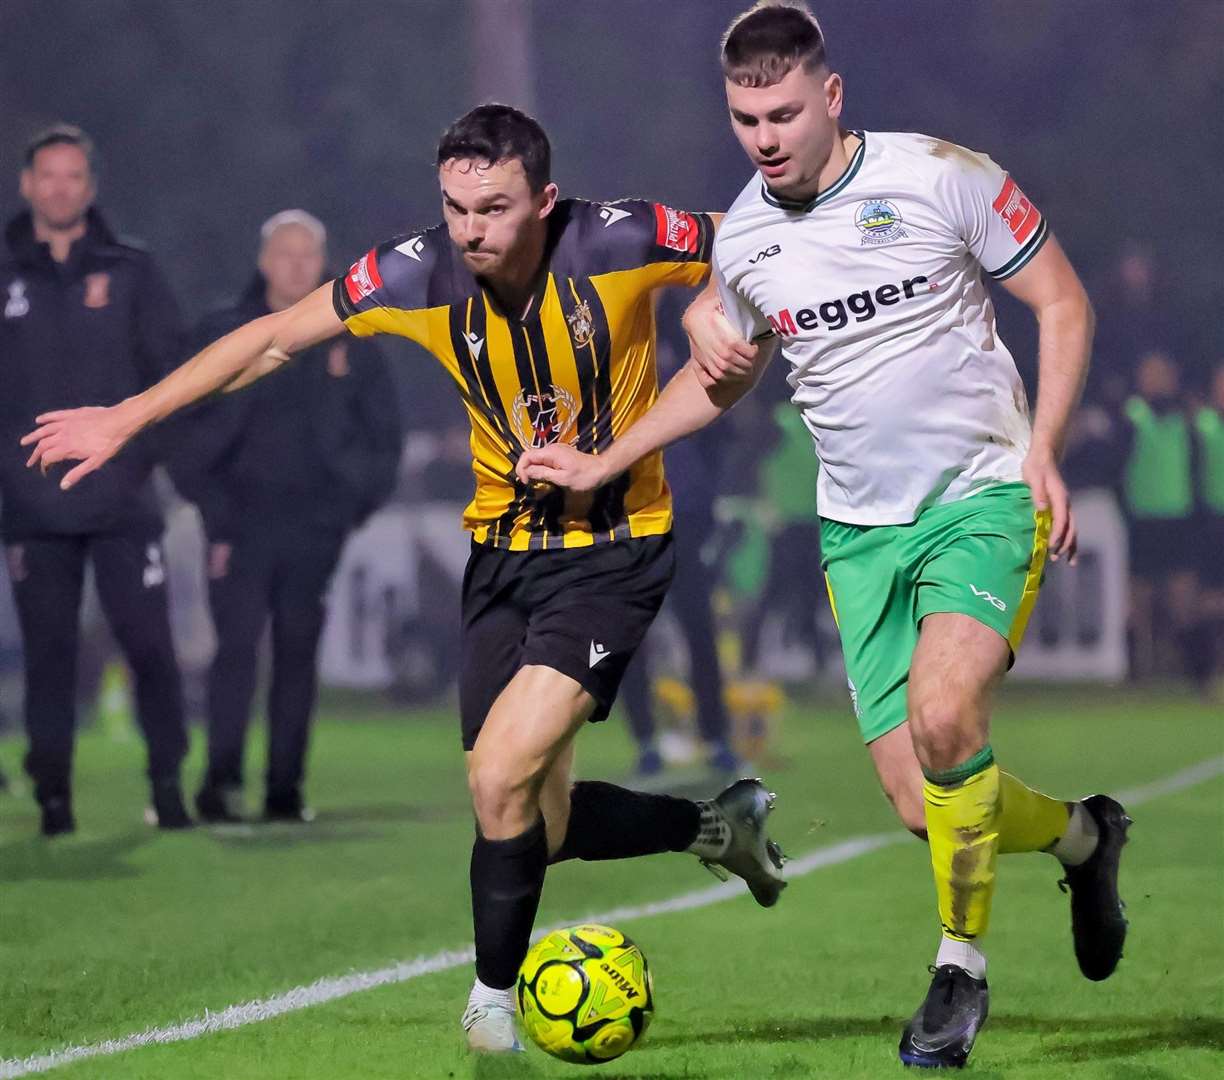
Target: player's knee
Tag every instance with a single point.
(502, 798)
(944, 731)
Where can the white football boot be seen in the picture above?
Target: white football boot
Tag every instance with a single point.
(489, 1021)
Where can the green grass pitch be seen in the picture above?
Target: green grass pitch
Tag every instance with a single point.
(120, 928)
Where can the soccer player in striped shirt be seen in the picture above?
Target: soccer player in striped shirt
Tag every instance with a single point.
(860, 256)
(540, 309)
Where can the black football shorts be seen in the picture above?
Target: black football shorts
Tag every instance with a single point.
(580, 611)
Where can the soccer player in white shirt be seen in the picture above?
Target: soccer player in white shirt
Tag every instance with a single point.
(861, 257)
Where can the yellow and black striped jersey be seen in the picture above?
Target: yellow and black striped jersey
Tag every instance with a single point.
(579, 367)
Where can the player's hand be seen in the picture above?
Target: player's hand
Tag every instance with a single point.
(1040, 472)
(91, 435)
(564, 465)
(717, 348)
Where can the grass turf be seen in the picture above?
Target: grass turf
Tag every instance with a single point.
(120, 928)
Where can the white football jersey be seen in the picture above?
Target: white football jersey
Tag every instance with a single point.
(875, 291)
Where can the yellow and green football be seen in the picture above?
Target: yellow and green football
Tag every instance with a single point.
(585, 994)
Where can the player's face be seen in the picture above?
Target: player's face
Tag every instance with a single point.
(291, 262)
(492, 214)
(58, 185)
(1158, 378)
(788, 129)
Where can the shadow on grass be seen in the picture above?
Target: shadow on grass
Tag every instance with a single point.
(71, 858)
(392, 812)
(805, 1029)
(524, 1067)
(343, 824)
(1087, 1038)
(1132, 1035)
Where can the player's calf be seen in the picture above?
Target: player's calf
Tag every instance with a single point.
(905, 795)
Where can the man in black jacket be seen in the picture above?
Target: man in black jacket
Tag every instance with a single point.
(281, 472)
(86, 318)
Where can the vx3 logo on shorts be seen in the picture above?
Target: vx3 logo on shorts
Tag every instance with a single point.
(598, 652)
(993, 601)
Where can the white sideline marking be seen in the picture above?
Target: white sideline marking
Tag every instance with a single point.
(330, 989)
(1179, 781)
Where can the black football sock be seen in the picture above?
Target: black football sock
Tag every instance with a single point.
(610, 822)
(507, 879)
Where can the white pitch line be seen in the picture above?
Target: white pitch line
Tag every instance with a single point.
(333, 988)
(1179, 781)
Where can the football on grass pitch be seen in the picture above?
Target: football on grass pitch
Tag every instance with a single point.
(585, 994)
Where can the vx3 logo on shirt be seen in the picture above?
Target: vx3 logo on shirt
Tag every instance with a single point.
(993, 601)
(768, 253)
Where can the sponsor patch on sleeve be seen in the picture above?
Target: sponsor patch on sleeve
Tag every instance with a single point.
(363, 277)
(676, 229)
(1019, 215)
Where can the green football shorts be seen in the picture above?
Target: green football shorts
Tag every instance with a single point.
(982, 556)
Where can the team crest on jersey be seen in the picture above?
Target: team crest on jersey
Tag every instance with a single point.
(581, 324)
(18, 303)
(879, 221)
(543, 418)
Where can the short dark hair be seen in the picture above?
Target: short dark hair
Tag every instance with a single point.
(60, 135)
(766, 43)
(496, 133)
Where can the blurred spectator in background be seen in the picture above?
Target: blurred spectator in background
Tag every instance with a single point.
(281, 473)
(1137, 316)
(1208, 652)
(1158, 495)
(693, 467)
(88, 319)
(788, 492)
(1098, 442)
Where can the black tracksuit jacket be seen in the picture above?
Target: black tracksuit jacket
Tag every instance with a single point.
(97, 328)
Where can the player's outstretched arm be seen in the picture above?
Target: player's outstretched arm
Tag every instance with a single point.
(93, 435)
(1052, 289)
(687, 404)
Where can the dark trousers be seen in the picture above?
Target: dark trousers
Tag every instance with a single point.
(689, 600)
(282, 574)
(47, 575)
(793, 588)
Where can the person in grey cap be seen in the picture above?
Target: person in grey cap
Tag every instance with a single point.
(281, 473)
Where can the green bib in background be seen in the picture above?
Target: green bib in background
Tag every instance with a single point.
(1209, 427)
(1157, 479)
